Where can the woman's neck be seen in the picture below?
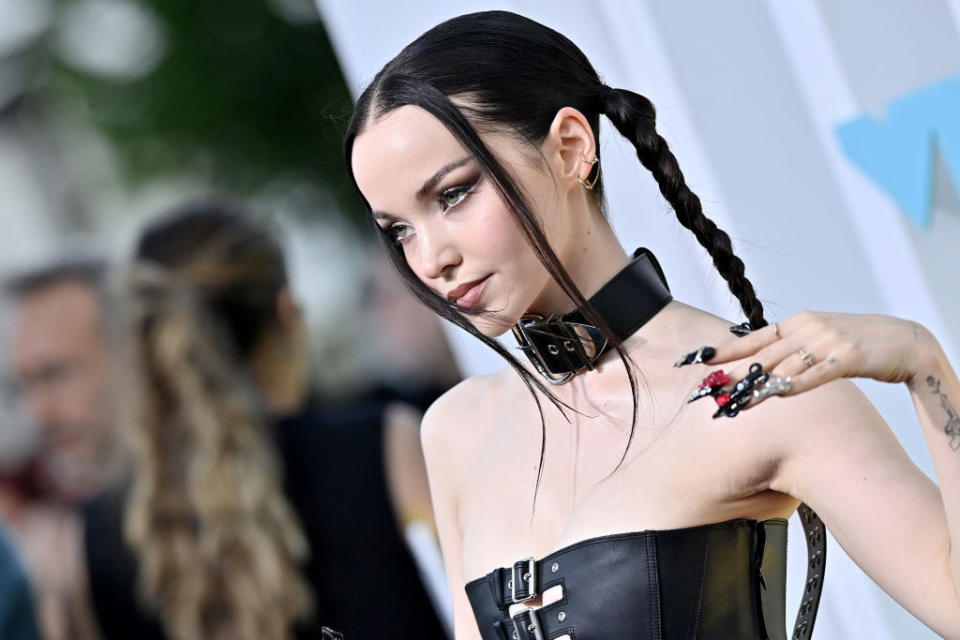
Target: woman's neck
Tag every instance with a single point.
(592, 255)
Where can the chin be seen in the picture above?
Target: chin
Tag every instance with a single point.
(491, 325)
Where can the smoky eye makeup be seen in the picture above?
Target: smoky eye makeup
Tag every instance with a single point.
(447, 196)
(395, 230)
(457, 192)
(398, 231)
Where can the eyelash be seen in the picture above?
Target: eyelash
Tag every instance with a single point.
(462, 190)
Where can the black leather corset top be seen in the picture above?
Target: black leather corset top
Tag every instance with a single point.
(723, 580)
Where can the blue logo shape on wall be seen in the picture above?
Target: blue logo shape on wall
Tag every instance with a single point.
(898, 153)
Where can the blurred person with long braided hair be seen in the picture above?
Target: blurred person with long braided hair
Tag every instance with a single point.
(251, 506)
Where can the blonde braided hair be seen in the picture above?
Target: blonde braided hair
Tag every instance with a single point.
(217, 541)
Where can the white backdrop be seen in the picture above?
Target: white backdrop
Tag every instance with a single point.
(756, 98)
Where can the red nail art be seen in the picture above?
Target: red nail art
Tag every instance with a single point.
(715, 379)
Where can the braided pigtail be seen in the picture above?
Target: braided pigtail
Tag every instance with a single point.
(219, 546)
(635, 118)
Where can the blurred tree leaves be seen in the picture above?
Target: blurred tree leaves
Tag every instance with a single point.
(240, 92)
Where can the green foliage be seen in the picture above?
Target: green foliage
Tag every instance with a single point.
(240, 92)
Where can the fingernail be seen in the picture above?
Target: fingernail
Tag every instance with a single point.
(774, 387)
(730, 403)
(696, 357)
(699, 393)
(710, 385)
(741, 329)
(732, 408)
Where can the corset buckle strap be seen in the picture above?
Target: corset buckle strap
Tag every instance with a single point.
(526, 625)
(523, 580)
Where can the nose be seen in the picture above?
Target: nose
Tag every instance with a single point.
(438, 255)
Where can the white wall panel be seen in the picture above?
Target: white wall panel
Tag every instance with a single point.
(749, 96)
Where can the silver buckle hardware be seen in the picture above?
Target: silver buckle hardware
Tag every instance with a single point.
(572, 334)
(525, 571)
(526, 345)
(526, 624)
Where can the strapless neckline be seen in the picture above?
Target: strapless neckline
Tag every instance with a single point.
(634, 534)
(722, 579)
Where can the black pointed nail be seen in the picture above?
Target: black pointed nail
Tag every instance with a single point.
(743, 391)
(732, 408)
(696, 357)
(741, 329)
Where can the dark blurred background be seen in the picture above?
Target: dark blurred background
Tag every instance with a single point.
(115, 111)
(111, 110)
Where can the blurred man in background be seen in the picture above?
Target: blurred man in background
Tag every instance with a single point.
(60, 367)
(59, 378)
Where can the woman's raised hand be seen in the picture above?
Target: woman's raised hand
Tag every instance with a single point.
(809, 349)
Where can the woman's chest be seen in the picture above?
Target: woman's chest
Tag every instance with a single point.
(672, 476)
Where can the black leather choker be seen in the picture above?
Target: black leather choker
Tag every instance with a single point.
(561, 346)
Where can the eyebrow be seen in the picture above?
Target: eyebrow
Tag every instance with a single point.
(438, 176)
(427, 185)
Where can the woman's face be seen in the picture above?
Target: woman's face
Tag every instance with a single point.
(456, 232)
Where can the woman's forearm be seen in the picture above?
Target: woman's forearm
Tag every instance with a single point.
(935, 390)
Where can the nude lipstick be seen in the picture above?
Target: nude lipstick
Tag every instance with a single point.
(467, 295)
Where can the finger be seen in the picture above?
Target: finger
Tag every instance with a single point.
(780, 381)
(769, 375)
(733, 350)
(769, 358)
(729, 394)
(794, 376)
(814, 376)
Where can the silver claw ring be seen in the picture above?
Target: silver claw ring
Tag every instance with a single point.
(776, 386)
(807, 358)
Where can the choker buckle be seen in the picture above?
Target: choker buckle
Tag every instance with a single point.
(557, 348)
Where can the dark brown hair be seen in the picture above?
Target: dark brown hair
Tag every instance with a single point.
(509, 73)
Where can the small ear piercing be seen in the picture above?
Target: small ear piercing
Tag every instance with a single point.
(586, 182)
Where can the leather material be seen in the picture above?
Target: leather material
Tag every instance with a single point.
(816, 535)
(723, 580)
(559, 346)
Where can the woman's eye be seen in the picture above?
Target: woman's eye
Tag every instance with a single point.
(455, 195)
(399, 231)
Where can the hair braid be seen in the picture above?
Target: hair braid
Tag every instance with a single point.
(634, 117)
(218, 544)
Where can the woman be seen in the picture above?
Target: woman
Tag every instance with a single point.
(249, 501)
(476, 151)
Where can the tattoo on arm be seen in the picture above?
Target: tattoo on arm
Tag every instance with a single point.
(952, 428)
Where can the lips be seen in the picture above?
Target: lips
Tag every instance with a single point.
(467, 294)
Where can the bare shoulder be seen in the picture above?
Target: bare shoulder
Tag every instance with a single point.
(833, 408)
(810, 428)
(459, 419)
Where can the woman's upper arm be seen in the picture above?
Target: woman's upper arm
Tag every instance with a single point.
(442, 449)
(406, 470)
(842, 459)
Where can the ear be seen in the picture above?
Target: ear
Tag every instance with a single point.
(569, 147)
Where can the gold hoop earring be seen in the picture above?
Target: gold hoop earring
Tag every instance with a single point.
(586, 182)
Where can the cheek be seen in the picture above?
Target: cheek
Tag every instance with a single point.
(490, 230)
